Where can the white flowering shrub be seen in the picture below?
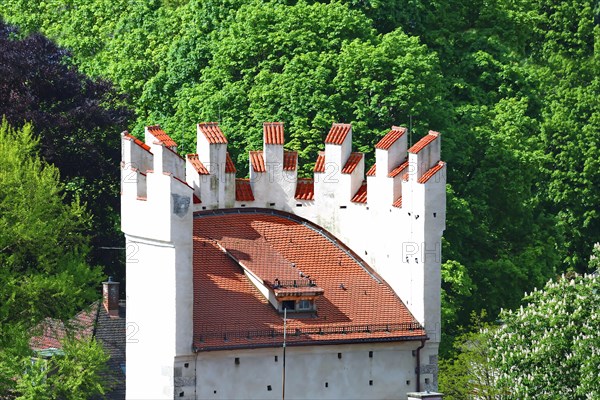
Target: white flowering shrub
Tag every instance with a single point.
(550, 349)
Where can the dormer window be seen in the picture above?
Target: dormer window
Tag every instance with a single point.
(302, 305)
(290, 290)
(289, 305)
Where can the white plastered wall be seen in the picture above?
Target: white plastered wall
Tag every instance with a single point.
(312, 372)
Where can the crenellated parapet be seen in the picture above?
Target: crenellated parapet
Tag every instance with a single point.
(339, 173)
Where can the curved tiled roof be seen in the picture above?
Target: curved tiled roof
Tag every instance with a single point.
(372, 170)
(230, 312)
(137, 141)
(398, 202)
(431, 172)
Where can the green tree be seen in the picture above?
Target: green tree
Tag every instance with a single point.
(468, 374)
(77, 120)
(550, 349)
(310, 65)
(43, 268)
(79, 373)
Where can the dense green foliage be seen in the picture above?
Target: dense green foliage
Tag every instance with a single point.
(548, 349)
(512, 85)
(469, 374)
(75, 119)
(551, 348)
(77, 374)
(43, 268)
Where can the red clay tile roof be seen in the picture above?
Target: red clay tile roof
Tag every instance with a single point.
(305, 189)
(320, 163)
(273, 133)
(352, 162)
(425, 140)
(388, 140)
(212, 132)
(361, 194)
(196, 199)
(257, 161)
(337, 134)
(243, 190)
(53, 330)
(398, 202)
(269, 265)
(137, 141)
(398, 169)
(372, 170)
(161, 136)
(432, 171)
(197, 164)
(230, 312)
(229, 165)
(290, 160)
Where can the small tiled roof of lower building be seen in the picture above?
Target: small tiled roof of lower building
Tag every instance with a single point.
(305, 189)
(111, 332)
(320, 163)
(230, 312)
(97, 323)
(361, 194)
(243, 190)
(352, 163)
(53, 331)
(257, 161)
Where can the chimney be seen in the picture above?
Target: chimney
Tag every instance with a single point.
(110, 297)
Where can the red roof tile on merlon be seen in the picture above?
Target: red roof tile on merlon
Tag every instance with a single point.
(337, 134)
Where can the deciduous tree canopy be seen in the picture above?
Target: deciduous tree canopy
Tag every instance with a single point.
(513, 86)
(43, 268)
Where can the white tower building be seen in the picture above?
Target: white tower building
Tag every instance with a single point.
(393, 220)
